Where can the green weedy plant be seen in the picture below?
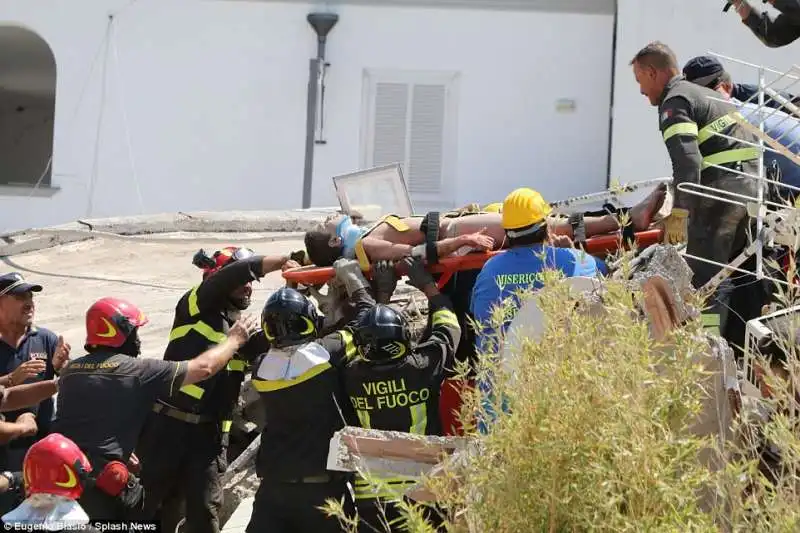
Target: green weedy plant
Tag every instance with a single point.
(595, 434)
(595, 437)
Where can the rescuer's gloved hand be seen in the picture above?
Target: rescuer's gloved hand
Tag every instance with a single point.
(348, 272)
(384, 280)
(676, 226)
(417, 275)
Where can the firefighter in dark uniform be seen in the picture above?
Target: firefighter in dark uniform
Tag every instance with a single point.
(300, 386)
(105, 397)
(775, 33)
(689, 115)
(395, 387)
(184, 445)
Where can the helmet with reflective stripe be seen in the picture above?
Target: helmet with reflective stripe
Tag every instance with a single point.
(55, 465)
(523, 208)
(220, 259)
(289, 319)
(109, 322)
(382, 334)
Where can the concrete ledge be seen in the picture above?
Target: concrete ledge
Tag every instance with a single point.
(127, 228)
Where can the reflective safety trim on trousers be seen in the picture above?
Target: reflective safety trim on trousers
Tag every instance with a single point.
(237, 365)
(419, 419)
(731, 156)
(226, 426)
(717, 126)
(710, 322)
(349, 345)
(269, 385)
(389, 487)
(194, 391)
(445, 316)
(200, 327)
(681, 128)
(363, 418)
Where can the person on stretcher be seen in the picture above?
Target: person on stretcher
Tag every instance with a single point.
(437, 235)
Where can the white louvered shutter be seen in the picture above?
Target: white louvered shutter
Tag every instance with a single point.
(427, 139)
(409, 128)
(391, 124)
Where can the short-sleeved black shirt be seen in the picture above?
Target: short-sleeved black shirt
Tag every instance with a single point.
(104, 400)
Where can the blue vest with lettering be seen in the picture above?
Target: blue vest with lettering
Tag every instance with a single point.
(501, 278)
(520, 269)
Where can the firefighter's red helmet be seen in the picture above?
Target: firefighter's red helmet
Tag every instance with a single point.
(109, 321)
(55, 465)
(221, 258)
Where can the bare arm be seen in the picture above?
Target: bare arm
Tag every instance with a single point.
(380, 249)
(25, 426)
(213, 360)
(23, 396)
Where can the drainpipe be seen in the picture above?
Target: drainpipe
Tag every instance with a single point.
(611, 104)
(322, 23)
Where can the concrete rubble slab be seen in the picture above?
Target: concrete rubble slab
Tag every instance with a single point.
(147, 260)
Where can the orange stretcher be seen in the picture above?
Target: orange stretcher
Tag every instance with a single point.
(600, 245)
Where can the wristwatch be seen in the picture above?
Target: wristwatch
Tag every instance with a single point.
(12, 481)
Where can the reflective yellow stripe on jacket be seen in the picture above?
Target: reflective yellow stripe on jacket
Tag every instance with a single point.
(720, 158)
(270, 385)
(216, 337)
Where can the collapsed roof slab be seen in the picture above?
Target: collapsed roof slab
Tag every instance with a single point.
(147, 260)
(151, 275)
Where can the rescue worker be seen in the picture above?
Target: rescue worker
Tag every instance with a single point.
(781, 31)
(395, 386)
(55, 477)
(689, 115)
(709, 72)
(299, 383)
(504, 276)
(183, 449)
(28, 353)
(531, 252)
(105, 397)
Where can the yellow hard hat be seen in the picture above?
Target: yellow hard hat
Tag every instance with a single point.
(496, 207)
(524, 207)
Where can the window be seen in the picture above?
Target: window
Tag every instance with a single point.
(410, 118)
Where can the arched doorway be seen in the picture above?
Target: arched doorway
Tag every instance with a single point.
(27, 108)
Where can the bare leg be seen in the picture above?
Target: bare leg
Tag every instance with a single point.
(640, 215)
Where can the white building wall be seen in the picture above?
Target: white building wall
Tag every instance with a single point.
(214, 96)
(690, 28)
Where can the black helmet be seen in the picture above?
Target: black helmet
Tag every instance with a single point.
(289, 318)
(382, 334)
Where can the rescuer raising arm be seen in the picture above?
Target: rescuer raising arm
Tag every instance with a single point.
(781, 31)
(184, 445)
(300, 388)
(395, 387)
(105, 397)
